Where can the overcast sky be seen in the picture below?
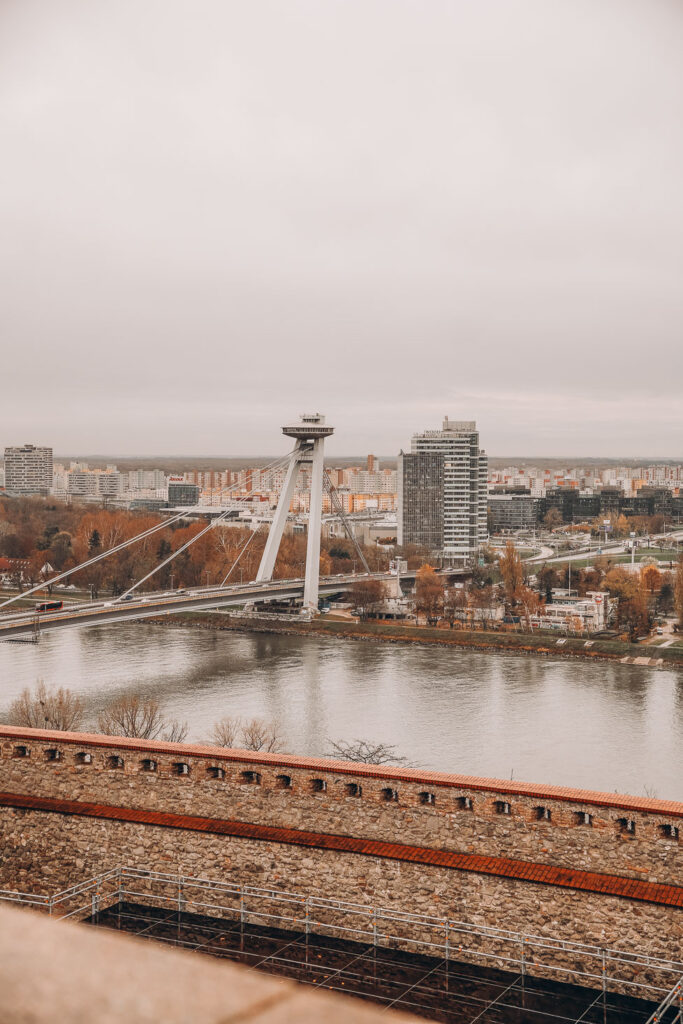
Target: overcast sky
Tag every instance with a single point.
(216, 215)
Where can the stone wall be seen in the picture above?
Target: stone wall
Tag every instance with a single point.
(561, 835)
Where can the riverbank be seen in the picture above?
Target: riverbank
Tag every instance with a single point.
(386, 632)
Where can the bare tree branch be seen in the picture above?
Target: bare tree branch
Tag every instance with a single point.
(46, 709)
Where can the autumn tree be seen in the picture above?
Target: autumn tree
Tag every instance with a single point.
(651, 578)
(552, 519)
(678, 592)
(632, 611)
(429, 593)
(512, 572)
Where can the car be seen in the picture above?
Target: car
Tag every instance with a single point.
(660, 631)
(126, 597)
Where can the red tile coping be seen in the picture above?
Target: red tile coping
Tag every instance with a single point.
(669, 808)
(502, 867)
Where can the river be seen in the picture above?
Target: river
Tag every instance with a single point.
(596, 725)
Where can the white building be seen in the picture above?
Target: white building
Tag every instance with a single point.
(442, 484)
(28, 470)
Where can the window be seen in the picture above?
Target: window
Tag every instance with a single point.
(542, 813)
(353, 789)
(502, 807)
(52, 754)
(626, 826)
(181, 768)
(83, 757)
(670, 831)
(318, 786)
(251, 779)
(148, 765)
(22, 752)
(583, 818)
(115, 761)
(390, 795)
(427, 798)
(283, 781)
(465, 803)
(214, 771)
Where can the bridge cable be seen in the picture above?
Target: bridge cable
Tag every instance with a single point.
(241, 552)
(118, 547)
(214, 522)
(339, 508)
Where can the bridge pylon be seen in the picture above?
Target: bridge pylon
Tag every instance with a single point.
(310, 434)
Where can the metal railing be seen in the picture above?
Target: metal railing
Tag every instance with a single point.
(673, 1001)
(609, 970)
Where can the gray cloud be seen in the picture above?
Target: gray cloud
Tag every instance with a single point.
(218, 214)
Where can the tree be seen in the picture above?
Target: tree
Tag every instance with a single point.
(547, 579)
(678, 592)
(552, 519)
(95, 542)
(254, 734)
(454, 604)
(632, 612)
(511, 570)
(141, 717)
(365, 752)
(46, 709)
(365, 595)
(429, 593)
(260, 735)
(531, 603)
(652, 578)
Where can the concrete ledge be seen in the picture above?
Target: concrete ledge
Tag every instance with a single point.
(58, 971)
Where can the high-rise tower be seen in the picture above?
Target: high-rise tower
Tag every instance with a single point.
(442, 486)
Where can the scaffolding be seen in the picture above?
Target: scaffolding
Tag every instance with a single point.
(438, 968)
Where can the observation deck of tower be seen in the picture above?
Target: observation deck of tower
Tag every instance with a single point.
(309, 428)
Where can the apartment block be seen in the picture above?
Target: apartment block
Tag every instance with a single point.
(28, 470)
(442, 487)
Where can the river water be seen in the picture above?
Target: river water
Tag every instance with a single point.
(591, 724)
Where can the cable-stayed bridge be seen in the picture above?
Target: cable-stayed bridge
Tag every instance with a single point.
(171, 602)
(309, 434)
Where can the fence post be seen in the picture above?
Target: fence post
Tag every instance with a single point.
(524, 956)
(448, 945)
(241, 904)
(307, 917)
(374, 927)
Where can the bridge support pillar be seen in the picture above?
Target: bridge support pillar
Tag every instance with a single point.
(315, 511)
(310, 436)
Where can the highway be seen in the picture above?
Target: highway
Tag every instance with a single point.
(22, 623)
